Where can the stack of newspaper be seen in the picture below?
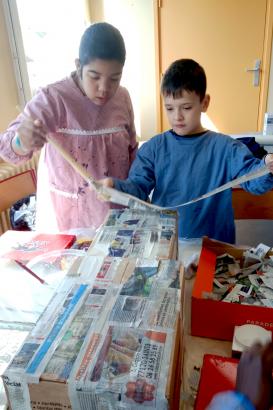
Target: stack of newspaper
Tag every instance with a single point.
(107, 335)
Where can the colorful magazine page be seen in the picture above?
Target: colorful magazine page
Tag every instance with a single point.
(24, 249)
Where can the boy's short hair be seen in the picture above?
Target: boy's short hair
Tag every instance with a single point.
(184, 75)
(103, 41)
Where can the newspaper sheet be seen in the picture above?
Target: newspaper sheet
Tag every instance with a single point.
(146, 243)
(133, 218)
(149, 297)
(62, 361)
(45, 337)
(105, 269)
(129, 370)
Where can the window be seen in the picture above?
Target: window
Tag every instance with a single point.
(44, 37)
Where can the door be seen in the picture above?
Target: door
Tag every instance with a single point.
(226, 37)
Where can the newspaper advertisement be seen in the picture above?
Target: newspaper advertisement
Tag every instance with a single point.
(129, 370)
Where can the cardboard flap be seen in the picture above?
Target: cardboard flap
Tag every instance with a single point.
(205, 273)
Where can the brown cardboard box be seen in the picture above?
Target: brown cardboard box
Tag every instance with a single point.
(53, 395)
(50, 394)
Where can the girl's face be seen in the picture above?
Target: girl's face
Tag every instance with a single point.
(100, 79)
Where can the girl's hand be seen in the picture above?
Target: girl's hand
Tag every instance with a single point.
(269, 162)
(32, 134)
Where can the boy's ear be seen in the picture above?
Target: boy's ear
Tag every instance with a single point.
(78, 66)
(205, 103)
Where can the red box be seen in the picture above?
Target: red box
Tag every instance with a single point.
(216, 319)
(218, 374)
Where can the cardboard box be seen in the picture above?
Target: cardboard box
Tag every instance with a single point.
(52, 393)
(216, 319)
(218, 374)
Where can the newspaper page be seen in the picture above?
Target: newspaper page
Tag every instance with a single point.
(129, 370)
(146, 243)
(106, 269)
(150, 296)
(62, 361)
(133, 218)
(44, 338)
(134, 293)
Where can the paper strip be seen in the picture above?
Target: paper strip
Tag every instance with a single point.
(121, 198)
(128, 200)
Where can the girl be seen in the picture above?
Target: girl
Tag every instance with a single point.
(92, 117)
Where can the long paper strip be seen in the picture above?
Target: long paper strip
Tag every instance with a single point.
(121, 198)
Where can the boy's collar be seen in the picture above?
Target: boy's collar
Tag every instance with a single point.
(198, 134)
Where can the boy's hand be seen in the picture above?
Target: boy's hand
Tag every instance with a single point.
(254, 375)
(108, 182)
(32, 134)
(269, 162)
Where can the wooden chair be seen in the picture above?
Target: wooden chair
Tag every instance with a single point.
(11, 190)
(248, 206)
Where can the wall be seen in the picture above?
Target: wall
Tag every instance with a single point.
(136, 24)
(8, 87)
(270, 91)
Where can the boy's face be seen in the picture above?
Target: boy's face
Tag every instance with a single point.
(184, 112)
(100, 79)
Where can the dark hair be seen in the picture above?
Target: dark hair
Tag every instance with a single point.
(184, 74)
(104, 41)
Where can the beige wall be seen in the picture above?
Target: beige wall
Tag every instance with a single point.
(8, 88)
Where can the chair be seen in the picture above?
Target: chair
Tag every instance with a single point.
(253, 217)
(11, 190)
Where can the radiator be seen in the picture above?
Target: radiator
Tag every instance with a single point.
(7, 171)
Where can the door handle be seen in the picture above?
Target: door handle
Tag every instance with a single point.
(256, 71)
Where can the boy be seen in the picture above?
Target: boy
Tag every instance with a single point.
(188, 161)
